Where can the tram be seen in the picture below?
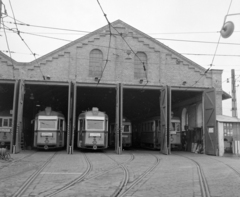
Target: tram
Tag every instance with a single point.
(5, 128)
(126, 134)
(49, 129)
(92, 132)
(150, 133)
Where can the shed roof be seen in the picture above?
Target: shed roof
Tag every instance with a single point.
(223, 118)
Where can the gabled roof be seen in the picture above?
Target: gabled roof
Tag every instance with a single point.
(115, 24)
(7, 58)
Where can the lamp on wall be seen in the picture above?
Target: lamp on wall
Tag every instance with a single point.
(96, 79)
(47, 77)
(184, 83)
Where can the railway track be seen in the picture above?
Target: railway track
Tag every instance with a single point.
(73, 182)
(125, 187)
(26, 184)
(202, 179)
(138, 180)
(233, 169)
(126, 175)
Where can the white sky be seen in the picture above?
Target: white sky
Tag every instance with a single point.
(200, 20)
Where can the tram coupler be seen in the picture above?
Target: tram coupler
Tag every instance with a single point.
(46, 147)
(94, 147)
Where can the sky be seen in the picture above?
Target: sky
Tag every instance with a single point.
(172, 22)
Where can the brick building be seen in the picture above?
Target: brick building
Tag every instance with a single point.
(122, 71)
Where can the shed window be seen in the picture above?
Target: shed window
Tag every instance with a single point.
(95, 63)
(140, 61)
(228, 129)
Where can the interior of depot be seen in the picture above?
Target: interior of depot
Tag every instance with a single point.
(139, 104)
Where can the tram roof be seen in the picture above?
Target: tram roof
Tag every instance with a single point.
(93, 113)
(52, 113)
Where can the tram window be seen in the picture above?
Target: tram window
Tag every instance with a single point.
(126, 128)
(106, 126)
(47, 124)
(10, 122)
(35, 124)
(0, 122)
(5, 122)
(95, 124)
(178, 127)
(152, 126)
(81, 124)
(60, 124)
(156, 123)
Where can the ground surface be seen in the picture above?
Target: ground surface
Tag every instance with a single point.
(133, 173)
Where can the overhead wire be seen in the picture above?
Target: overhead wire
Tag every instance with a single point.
(107, 60)
(81, 31)
(213, 55)
(18, 32)
(45, 27)
(124, 39)
(8, 48)
(105, 15)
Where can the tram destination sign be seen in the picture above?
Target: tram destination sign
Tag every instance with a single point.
(5, 129)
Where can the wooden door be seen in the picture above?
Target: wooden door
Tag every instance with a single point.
(211, 142)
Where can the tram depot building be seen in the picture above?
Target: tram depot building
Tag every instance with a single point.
(132, 75)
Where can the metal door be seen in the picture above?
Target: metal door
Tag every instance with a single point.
(18, 118)
(69, 119)
(14, 116)
(119, 113)
(74, 85)
(117, 120)
(169, 117)
(164, 120)
(210, 132)
(121, 128)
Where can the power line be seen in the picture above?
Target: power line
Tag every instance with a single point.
(45, 27)
(6, 51)
(18, 32)
(105, 15)
(82, 31)
(213, 55)
(8, 48)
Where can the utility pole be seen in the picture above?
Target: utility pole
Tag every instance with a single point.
(234, 97)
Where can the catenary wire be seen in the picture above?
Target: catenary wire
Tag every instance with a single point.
(213, 55)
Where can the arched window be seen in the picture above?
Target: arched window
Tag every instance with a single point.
(140, 60)
(95, 63)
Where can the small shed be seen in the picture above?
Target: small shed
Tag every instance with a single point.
(228, 134)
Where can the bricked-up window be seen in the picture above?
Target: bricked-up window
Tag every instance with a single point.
(139, 72)
(95, 63)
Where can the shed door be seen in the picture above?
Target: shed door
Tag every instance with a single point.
(74, 100)
(69, 118)
(164, 108)
(118, 123)
(18, 120)
(117, 120)
(210, 131)
(14, 116)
